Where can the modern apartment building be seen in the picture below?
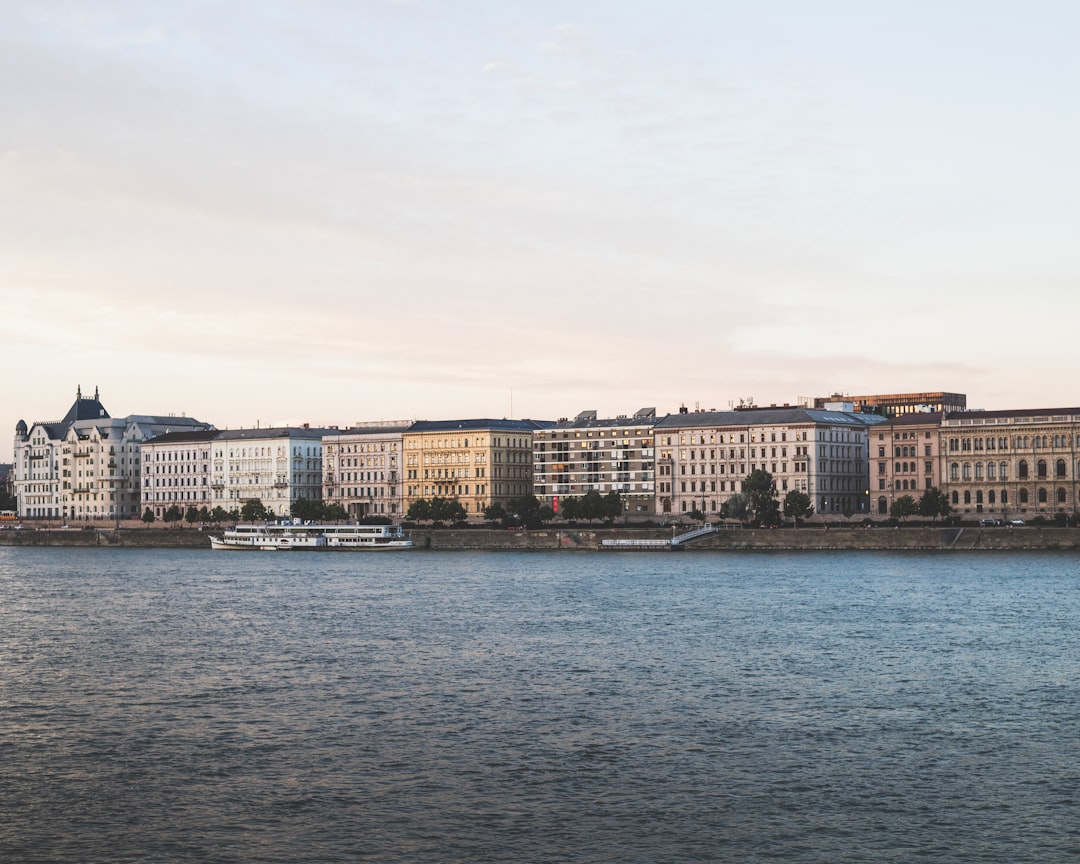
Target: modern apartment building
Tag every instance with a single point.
(1017, 462)
(898, 404)
(362, 469)
(703, 457)
(904, 459)
(477, 462)
(276, 466)
(87, 465)
(587, 454)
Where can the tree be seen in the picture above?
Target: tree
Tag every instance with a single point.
(697, 515)
(307, 510)
(934, 503)
(525, 510)
(447, 510)
(219, 514)
(570, 508)
(612, 506)
(419, 510)
(191, 515)
(903, 507)
(760, 488)
(495, 513)
(173, 514)
(253, 510)
(797, 506)
(736, 507)
(148, 516)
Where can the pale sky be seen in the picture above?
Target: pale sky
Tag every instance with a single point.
(338, 211)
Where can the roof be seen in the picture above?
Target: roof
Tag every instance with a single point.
(503, 425)
(183, 437)
(312, 434)
(1045, 413)
(923, 418)
(591, 422)
(767, 417)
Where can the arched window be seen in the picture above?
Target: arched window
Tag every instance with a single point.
(1042, 495)
(978, 470)
(967, 471)
(1003, 471)
(955, 497)
(967, 496)
(882, 506)
(1023, 496)
(1022, 469)
(978, 496)
(1040, 468)
(990, 496)
(1061, 495)
(1004, 496)
(1059, 468)
(897, 468)
(991, 471)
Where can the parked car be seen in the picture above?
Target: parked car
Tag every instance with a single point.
(1017, 522)
(989, 523)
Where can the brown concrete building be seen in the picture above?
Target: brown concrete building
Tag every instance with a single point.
(904, 459)
(1012, 463)
(899, 404)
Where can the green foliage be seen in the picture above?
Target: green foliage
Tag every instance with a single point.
(437, 510)
(253, 511)
(592, 505)
(191, 515)
(736, 507)
(697, 515)
(797, 506)
(148, 516)
(219, 514)
(934, 503)
(173, 514)
(903, 507)
(495, 513)
(760, 488)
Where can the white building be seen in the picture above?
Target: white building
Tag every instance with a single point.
(275, 466)
(703, 457)
(176, 471)
(362, 469)
(87, 465)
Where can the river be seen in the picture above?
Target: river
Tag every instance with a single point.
(161, 705)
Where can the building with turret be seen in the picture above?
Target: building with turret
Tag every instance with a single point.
(86, 465)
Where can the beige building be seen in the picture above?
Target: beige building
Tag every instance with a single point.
(586, 454)
(477, 462)
(1012, 463)
(904, 459)
(703, 457)
(362, 469)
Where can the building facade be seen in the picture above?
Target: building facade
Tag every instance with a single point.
(702, 458)
(362, 469)
(176, 472)
(899, 404)
(905, 459)
(587, 454)
(275, 466)
(1014, 463)
(86, 466)
(477, 462)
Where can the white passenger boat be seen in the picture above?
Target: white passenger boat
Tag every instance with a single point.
(288, 536)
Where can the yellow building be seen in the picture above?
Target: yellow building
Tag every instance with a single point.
(476, 462)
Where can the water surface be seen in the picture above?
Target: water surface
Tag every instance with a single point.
(160, 705)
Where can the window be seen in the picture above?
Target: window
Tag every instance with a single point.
(1061, 495)
(1041, 469)
(1022, 470)
(1059, 468)
(1042, 495)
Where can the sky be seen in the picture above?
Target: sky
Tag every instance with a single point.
(331, 212)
